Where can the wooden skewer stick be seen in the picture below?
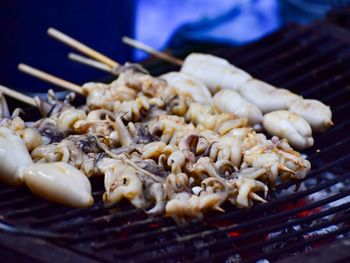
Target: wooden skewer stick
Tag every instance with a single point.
(17, 95)
(81, 47)
(90, 62)
(50, 78)
(152, 51)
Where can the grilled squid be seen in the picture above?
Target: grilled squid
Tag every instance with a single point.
(75, 150)
(121, 181)
(188, 84)
(140, 81)
(132, 110)
(53, 106)
(31, 136)
(59, 182)
(14, 157)
(278, 159)
(245, 191)
(231, 101)
(267, 97)
(170, 127)
(317, 114)
(103, 96)
(183, 205)
(203, 116)
(68, 118)
(291, 126)
(124, 181)
(216, 73)
(226, 148)
(99, 95)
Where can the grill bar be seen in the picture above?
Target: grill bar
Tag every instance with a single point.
(295, 234)
(309, 241)
(299, 50)
(258, 54)
(307, 62)
(241, 213)
(236, 227)
(224, 230)
(72, 213)
(99, 220)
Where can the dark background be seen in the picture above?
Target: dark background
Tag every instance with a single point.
(23, 25)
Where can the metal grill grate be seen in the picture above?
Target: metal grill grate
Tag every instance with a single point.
(313, 61)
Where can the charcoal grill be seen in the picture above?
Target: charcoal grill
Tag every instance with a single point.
(313, 61)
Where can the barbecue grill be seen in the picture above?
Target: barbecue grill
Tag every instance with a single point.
(313, 61)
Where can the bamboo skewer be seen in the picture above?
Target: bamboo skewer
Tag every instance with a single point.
(50, 78)
(137, 44)
(18, 96)
(81, 47)
(90, 62)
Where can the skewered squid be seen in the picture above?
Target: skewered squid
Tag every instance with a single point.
(216, 73)
(317, 114)
(75, 150)
(53, 106)
(279, 159)
(14, 157)
(291, 126)
(140, 81)
(267, 97)
(244, 191)
(59, 182)
(231, 101)
(187, 84)
(68, 118)
(183, 165)
(31, 136)
(184, 205)
(204, 116)
(124, 181)
(100, 95)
